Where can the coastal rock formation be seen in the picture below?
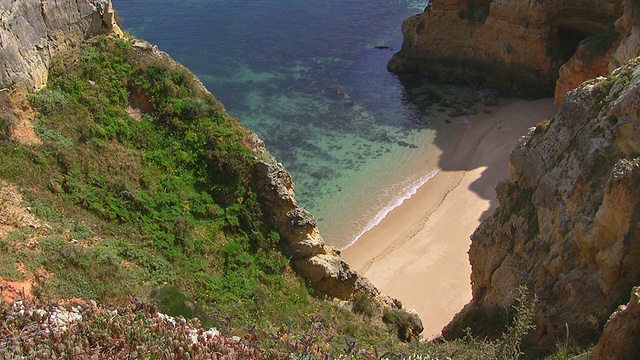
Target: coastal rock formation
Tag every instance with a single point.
(311, 258)
(620, 337)
(601, 54)
(31, 32)
(568, 223)
(515, 46)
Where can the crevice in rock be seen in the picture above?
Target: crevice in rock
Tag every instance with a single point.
(568, 41)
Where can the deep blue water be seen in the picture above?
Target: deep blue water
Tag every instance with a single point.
(308, 78)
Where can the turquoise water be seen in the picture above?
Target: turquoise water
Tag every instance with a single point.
(310, 79)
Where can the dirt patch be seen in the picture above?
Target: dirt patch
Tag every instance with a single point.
(139, 103)
(13, 214)
(23, 131)
(14, 290)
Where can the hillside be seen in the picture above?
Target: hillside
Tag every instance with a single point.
(127, 192)
(122, 176)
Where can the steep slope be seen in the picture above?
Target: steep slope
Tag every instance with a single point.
(145, 182)
(515, 46)
(568, 224)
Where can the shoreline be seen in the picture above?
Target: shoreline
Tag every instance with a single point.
(418, 252)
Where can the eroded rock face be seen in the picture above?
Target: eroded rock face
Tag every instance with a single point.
(32, 31)
(619, 341)
(568, 224)
(516, 46)
(616, 46)
(313, 259)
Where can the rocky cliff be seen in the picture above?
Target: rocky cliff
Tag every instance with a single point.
(620, 337)
(31, 32)
(601, 54)
(515, 46)
(568, 223)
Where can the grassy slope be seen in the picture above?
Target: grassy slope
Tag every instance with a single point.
(161, 208)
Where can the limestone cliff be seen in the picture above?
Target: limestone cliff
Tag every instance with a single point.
(568, 223)
(601, 54)
(515, 46)
(31, 32)
(620, 337)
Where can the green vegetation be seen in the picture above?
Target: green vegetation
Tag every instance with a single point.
(142, 190)
(159, 205)
(601, 42)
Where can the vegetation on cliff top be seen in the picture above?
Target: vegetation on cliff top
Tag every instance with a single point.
(142, 187)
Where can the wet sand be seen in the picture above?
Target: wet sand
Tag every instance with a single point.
(418, 253)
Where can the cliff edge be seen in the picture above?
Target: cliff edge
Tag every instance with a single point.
(568, 223)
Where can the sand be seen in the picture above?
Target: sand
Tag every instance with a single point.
(418, 253)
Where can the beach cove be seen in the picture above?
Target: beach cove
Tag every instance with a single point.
(357, 140)
(418, 252)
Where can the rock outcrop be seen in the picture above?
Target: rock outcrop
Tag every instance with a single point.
(601, 54)
(318, 263)
(31, 32)
(619, 341)
(568, 223)
(515, 46)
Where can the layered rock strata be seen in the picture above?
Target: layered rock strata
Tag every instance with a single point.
(515, 46)
(568, 223)
(32, 32)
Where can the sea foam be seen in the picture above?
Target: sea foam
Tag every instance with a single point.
(405, 192)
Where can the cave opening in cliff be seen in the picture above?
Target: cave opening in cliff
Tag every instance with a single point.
(569, 39)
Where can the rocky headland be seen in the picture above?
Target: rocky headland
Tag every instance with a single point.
(518, 47)
(567, 226)
(568, 222)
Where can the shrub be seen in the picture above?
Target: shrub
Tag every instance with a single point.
(508, 346)
(601, 42)
(365, 304)
(399, 322)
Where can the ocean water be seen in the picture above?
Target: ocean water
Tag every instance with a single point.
(310, 78)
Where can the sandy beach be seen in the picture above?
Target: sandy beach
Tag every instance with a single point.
(418, 253)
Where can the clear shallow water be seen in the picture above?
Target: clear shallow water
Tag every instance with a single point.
(308, 78)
